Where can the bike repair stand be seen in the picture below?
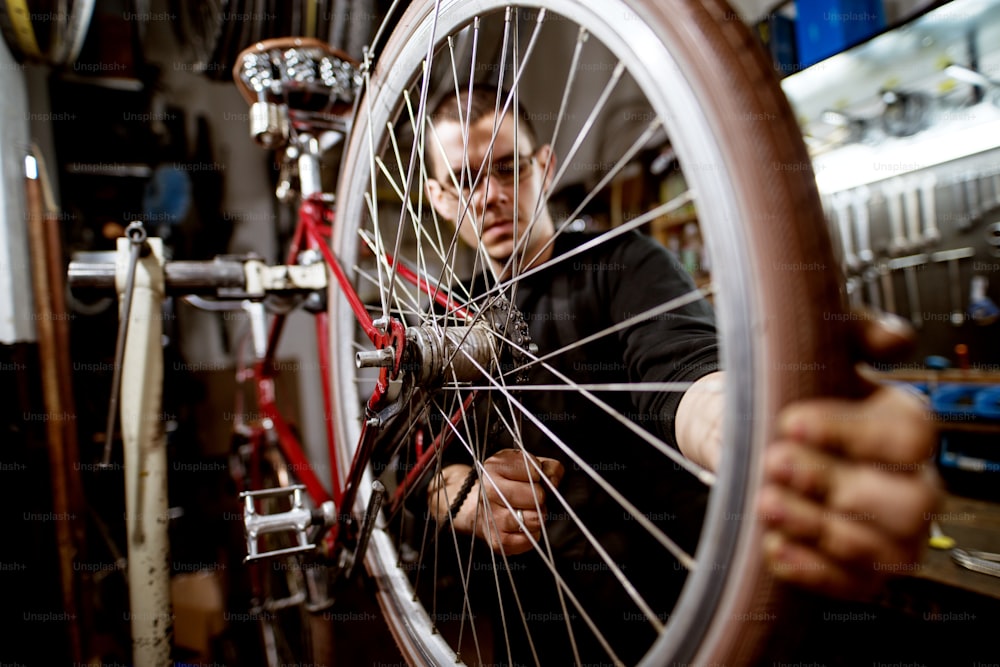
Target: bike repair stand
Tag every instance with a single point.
(144, 444)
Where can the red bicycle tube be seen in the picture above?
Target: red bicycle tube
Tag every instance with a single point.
(312, 210)
(290, 445)
(322, 338)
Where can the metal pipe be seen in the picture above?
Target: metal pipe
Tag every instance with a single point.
(181, 277)
(57, 412)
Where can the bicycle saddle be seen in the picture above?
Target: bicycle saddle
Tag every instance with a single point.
(298, 80)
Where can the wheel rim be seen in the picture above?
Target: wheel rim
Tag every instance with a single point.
(707, 595)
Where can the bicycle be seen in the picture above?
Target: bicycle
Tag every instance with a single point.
(449, 356)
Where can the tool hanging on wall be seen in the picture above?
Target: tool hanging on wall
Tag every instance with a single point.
(898, 243)
(982, 310)
(996, 188)
(965, 194)
(842, 210)
(928, 205)
(952, 257)
(909, 266)
(860, 202)
(911, 198)
(993, 238)
(888, 289)
(971, 182)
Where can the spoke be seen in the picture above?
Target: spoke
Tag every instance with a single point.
(660, 387)
(417, 219)
(653, 530)
(522, 246)
(476, 456)
(596, 190)
(467, 603)
(678, 302)
(421, 233)
(447, 257)
(464, 120)
(581, 38)
(619, 575)
(463, 205)
(414, 303)
(704, 475)
(370, 196)
(414, 157)
(543, 198)
(635, 223)
(563, 586)
(545, 536)
(588, 125)
(560, 582)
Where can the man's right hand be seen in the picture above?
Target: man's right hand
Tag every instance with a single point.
(509, 483)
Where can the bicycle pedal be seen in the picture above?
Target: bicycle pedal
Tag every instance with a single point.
(295, 522)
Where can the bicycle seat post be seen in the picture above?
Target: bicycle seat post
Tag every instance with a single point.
(308, 153)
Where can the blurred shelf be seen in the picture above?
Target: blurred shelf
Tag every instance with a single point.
(973, 524)
(667, 222)
(948, 376)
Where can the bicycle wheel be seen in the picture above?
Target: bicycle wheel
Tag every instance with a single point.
(600, 584)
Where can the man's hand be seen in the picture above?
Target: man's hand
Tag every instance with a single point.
(508, 484)
(850, 484)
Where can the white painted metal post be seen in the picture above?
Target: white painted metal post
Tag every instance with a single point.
(144, 442)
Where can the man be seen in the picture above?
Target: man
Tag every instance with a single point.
(836, 522)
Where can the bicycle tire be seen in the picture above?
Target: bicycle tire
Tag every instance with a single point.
(778, 299)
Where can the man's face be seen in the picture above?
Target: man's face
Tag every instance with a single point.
(492, 220)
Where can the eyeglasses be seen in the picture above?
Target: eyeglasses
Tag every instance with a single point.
(506, 171)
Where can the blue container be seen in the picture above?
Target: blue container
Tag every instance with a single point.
(826, 27)
(955, 401)
(777, 33)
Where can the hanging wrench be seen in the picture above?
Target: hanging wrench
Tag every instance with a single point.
(854, 295)
(967, 194)
(996, 188)
(908, 264)
(911, 197)
(861, 197)
(961, 214)
(898, 243)
(888, 290)
(954, 278)
(871, 275)
(928, 188)
(841, 206)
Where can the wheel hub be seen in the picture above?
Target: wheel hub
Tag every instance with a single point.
(497, 342)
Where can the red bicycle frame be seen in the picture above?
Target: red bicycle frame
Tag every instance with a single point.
(313, 232)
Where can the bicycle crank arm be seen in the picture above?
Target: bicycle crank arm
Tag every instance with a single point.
(294, 522)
